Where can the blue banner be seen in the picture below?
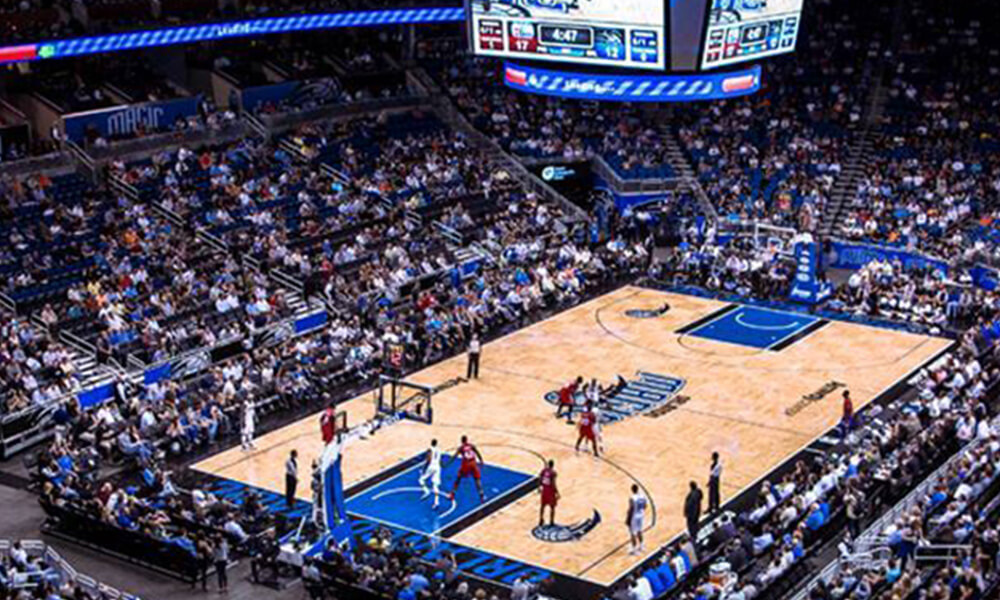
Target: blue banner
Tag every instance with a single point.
(632, 88)
(310, 322)
(843, 255)
(807, 287)
(470, 267)
(126, 120)
(155, 374)
(984, 277)
(253, 98)
(97, 395)
(624, 201)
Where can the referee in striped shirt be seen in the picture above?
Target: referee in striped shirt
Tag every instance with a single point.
(714, 477)
(291, 478)
(472, 371)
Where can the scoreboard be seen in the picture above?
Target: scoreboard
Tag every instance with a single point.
(613, 33)
(741, 30)
(677, 35)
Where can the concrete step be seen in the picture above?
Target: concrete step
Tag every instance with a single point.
(89, 373)
(299, 307)
(465, 253)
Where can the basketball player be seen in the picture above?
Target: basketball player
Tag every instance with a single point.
(634, 520)
(594, 392)
(328, 424)
(432, 472)
(567, 399)
(550, 493)
(471, 459)
(249, 424)
(595, 399)
(587, 420)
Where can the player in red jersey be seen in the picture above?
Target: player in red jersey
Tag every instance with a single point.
(550, 493)
(328, 424)
(471, 459)
(588, 426)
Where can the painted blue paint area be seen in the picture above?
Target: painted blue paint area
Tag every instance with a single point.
(429, 549)
(754, 327)
(398, 501)
(471, 561)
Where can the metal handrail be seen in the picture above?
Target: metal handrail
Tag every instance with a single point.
(286, 279)
(283, 121)
(56, 160)
(80, 154)
(129, 149)
(85, 160)
(334, 173)
(872, 536)
(168, 214)
(212, 240)
(117, 183)
(695, 186)
(296, 152)
(7, 303)
(256, 124)
(52, 557)
(449, 232)
(629, 185)
(71, 339)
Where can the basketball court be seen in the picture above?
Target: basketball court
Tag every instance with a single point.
(705, 376)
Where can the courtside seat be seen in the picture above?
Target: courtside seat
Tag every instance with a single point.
(667, 577)
(164, 554)
(655, 581)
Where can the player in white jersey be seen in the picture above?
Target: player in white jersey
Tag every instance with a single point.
(432, 471)
(249, 424)
(594, 395)
(594, 392)
(636, 515)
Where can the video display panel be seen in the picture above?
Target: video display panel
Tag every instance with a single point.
(742, 30)
(614, 33)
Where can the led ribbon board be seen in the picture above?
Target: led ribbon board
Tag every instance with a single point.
(134, 40)
(632, 88)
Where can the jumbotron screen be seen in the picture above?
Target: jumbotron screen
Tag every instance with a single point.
(741, 30)
(613, 33)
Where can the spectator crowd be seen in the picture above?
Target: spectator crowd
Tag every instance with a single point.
(412, 240)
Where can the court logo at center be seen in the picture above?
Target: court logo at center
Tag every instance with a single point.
(641, 313)
(644, 394)
(644, 313)
(558, 534)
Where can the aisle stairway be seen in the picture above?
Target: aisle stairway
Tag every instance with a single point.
(877, 71)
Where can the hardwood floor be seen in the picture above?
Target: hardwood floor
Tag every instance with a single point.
(738, 401)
